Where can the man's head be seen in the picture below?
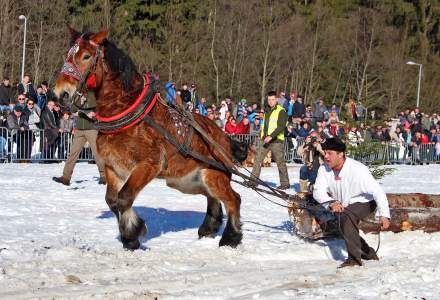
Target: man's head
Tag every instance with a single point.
(6, 81)
(272, 99)
(245, 121)
(50, 104)
(257, 121)
(26, 79)
(18, 110)
(184, 87)
(40, 90)
(203, 100)
(21, 99)
(193, 86)
(44, 85)
(334, 153)
(299, 99)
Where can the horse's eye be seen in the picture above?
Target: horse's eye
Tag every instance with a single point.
(86, 57)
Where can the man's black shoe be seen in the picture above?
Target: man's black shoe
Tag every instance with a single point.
(350, 262)
(283, 187)
(61, 180)
(102, 180)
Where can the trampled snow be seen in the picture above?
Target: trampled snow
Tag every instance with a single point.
(62, 242)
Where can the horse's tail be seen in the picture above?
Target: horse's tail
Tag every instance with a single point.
(239, 150)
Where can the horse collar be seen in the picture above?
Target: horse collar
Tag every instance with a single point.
(134, 113)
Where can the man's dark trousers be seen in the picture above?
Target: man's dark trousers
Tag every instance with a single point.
(349, 227)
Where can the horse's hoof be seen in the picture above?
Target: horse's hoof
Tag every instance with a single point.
(205, 232)
(231, 240)
(131, 245)
(209, 228)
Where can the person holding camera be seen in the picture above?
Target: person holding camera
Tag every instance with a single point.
(313, 157)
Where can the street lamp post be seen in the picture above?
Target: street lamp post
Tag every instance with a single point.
(420, 79)
(22, 17)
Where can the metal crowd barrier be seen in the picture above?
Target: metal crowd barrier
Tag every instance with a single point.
(38, 146)
(53, 146)
(388, 153)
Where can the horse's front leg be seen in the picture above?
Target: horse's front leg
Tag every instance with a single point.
(114, 185)
(131, 226)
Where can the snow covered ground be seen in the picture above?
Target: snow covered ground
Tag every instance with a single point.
(62, 242)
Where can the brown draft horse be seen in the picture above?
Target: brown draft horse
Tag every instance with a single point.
(135, 156)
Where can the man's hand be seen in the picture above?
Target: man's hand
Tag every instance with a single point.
(336, 207)
(91, 115)
(83, 100)
(267, 139)
(384, 223)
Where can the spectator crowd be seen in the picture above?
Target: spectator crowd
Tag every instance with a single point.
(410, 128)
(33, 119)
(26, 111)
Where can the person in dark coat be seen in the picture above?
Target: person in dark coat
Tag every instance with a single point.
(51, 130)
(27, 88)
(299, 109)
(21, 135)
(6, 96)
(185, 94)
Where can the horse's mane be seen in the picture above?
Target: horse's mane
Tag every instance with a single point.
(119, 62)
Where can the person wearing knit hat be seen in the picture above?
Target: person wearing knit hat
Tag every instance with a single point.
(18, 108)
(347, 188)
(334, 144)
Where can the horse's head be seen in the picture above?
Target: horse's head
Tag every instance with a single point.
(83, 63)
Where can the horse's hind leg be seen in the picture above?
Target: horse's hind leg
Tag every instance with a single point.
(218, 185)
(213, 219)
(131, 226)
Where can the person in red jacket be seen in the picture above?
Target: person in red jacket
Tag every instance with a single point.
(231, 126)
(243, 127)
(424, 139)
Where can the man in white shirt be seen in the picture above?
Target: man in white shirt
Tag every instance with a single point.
(347, 188)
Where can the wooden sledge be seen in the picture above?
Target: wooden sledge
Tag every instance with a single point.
(408, 212)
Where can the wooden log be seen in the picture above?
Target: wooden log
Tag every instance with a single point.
(410, 212)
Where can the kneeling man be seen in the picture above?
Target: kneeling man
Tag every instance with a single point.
(346, 187)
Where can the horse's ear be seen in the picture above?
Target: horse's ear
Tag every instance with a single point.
(98, 38)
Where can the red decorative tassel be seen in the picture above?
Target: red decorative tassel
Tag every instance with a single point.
(91, 82)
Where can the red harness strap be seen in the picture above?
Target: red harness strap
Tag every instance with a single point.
(130, 109)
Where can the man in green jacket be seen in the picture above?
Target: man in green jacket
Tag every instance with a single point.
(85, 132)
(272, 139)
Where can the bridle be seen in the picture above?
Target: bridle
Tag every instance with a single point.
(70, 68)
